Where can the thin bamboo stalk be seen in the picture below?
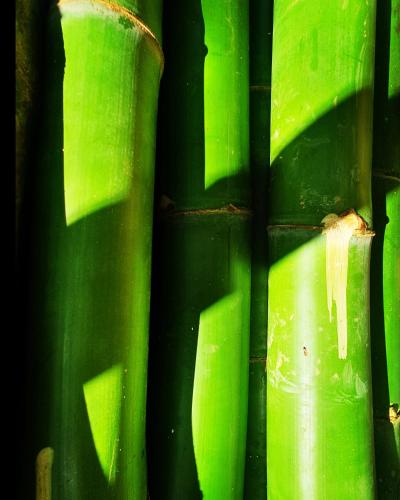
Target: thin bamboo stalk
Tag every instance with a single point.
(91, 242)
(385, 276)
(260, 105)
(198, 391)
(319, 414)
(27, 68)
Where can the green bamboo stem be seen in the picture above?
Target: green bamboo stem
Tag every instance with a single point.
(319, 408)
(91, 246)
(260, 104)
(199, 381)
(385, 277)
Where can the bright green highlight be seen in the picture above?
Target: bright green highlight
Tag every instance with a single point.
(103, 402)
(311, 392)
(217, 415)
(391, 297)
(225, 89)
(305, 88)
(98, 154)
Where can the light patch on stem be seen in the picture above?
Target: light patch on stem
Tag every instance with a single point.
(339, 230)
(44, 462)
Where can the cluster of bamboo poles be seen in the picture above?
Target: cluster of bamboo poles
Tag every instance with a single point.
(223, 352)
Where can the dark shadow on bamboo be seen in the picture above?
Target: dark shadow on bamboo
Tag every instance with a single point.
(386, 155)
(261, 14)
(43, 175)
(25, 199)
(172, 472)
(45, 416)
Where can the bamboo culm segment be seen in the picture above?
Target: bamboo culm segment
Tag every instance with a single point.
(318, 165)
(385, 268)
(201, 309)
(202, 359)
(318, 369)
(92, 230)
(307, 383)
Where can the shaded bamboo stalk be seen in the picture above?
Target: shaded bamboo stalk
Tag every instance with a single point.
(28, 58)
(91, 249)
(201, 311)
(385, 275)
(27, 69)
(319, 409)
(260, 104)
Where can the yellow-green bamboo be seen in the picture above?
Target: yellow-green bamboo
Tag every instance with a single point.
(319, 394)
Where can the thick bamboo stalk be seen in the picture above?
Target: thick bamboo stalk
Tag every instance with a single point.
(260, 104)
(385, 277)
(319, 415)
(91, 246)
(199, 374)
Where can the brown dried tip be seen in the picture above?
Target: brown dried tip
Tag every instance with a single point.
(349, 219)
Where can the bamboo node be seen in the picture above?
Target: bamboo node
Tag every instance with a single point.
(347, 219)
(229, 209)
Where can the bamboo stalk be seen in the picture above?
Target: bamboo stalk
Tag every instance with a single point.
(199, 376)
(260, 105)
(27, 69)
(91, 245)
(319, 415)
(385, 276)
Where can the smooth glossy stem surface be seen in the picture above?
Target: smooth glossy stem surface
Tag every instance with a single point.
(319, 415)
